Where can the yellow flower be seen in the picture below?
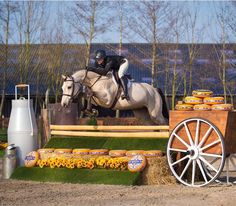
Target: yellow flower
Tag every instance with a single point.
(84, 164)
(58, 164)
(72, 166)
(90, 165)
(40, 163)
(44, 162)
(67, 164)
(79, 164)
(52, 165)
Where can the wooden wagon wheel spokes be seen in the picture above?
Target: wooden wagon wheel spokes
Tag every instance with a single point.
(209, 171)
(194, 147)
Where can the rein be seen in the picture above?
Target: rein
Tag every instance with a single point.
(96, 81)
(85, 76)
(72, 95)
(71, 78)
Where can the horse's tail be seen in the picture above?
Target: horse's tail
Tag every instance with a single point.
(165, 111)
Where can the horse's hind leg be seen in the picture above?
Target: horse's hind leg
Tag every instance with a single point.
(143, 116)
(156, 116)
(159, 119)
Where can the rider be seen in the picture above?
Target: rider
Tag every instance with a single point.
(105, 63)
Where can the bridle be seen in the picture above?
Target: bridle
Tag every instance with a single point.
(71, 78)
(72, 95)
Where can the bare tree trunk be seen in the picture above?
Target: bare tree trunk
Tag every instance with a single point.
(174, 81)
(47, 98)
(6, 6)
(221, 55)
(120, 7)
(2, 103)
(91, 32)
(154, 72)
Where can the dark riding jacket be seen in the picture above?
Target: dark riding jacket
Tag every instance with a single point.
(110, 63)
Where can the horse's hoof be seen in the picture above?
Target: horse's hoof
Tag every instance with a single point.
(89, 112)
(95, 112)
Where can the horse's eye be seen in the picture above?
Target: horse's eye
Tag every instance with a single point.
(69, 87)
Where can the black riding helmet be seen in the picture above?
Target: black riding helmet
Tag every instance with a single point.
(100, 54)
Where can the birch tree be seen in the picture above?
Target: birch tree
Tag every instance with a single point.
(6, 12)
(230, 21)
(28, 21)
(220, 52)
(194, 36)
(39, 61)
(55, 63)
(147, 22)
(175, 24)
(88, 19)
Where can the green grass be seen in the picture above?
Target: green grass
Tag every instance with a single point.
(108, 143)
(3, 138)
(94, 176)
(64, 175)
(3, 135)
(1, 153)
(75, 142)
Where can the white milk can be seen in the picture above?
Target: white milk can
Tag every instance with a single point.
(22, 128)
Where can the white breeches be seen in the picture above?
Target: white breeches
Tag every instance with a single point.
(123, 68)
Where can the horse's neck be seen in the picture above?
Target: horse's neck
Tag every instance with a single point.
(84, 77)
(88, 78)
(102, 87)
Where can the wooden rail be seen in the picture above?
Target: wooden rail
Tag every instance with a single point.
(111, 131)
(107, 128)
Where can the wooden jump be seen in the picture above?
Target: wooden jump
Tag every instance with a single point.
(111, 131)
(107, 128)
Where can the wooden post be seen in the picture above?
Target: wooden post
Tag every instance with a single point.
(45, 126)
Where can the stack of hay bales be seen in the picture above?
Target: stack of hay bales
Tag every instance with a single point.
(157, 172)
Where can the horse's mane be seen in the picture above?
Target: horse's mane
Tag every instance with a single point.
(90, 74)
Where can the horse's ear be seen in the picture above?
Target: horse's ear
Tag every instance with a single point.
(63, 77)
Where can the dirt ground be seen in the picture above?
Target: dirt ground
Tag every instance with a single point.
(14, 192)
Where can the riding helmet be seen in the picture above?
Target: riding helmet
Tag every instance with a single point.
(100, 54)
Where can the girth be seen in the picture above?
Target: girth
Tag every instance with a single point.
(116, 97)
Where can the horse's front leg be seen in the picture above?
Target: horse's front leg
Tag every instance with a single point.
(89, 111)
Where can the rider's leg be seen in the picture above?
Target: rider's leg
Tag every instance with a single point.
(124, 84)
(124, 81)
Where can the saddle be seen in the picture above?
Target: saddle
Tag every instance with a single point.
(115, 74)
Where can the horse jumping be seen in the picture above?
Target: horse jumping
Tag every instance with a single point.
(105, 93)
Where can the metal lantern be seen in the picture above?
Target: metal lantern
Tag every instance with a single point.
(9, 161)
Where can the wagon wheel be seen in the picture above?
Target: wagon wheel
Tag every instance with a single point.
(193, 148)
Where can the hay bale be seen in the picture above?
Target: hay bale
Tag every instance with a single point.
(157, 172)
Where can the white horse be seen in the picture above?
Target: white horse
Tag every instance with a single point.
(105, 93)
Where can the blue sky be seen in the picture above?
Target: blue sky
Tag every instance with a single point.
(206, 16)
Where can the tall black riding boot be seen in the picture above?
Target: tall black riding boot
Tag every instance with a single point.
(124, 85)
